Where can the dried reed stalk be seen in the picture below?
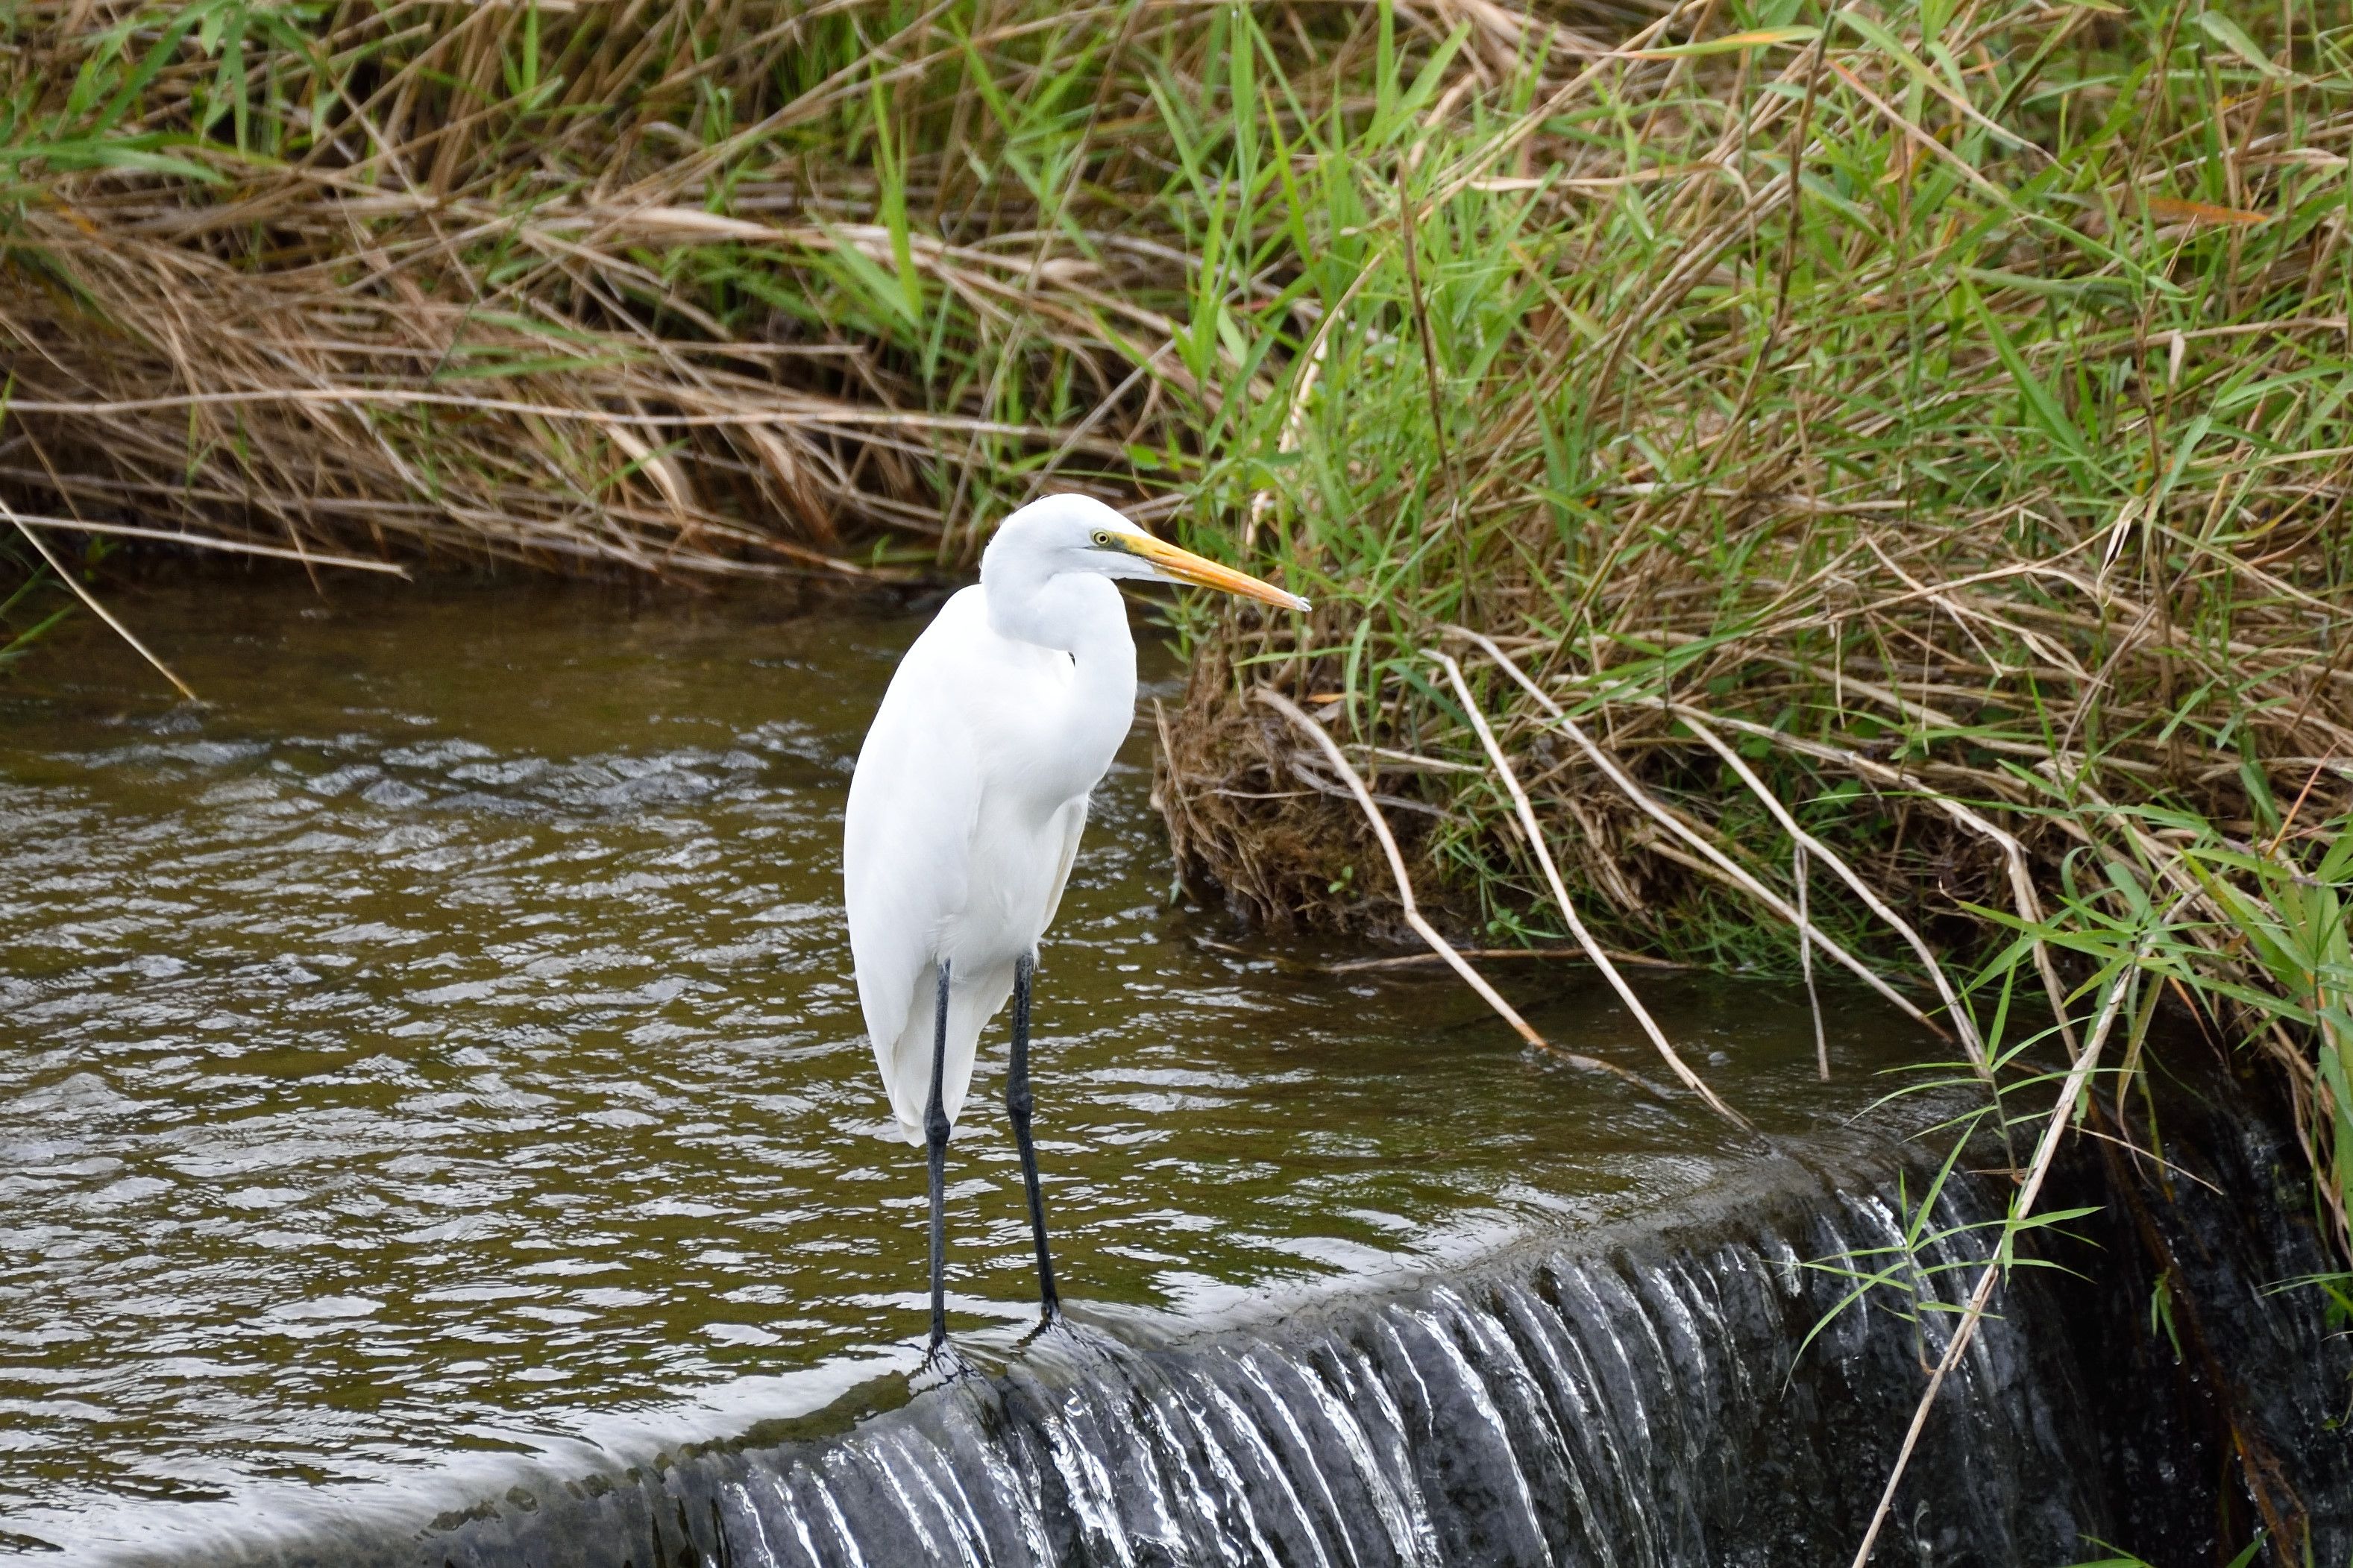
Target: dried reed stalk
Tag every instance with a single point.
(1733, 872)
(81, 591)
(1567, 907)
(1445, 950)
(1929, 964)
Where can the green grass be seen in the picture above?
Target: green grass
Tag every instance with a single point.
(33, 606)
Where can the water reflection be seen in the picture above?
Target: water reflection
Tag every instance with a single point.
(444, 1041)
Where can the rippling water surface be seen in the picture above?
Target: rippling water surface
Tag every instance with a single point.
(442, 1040)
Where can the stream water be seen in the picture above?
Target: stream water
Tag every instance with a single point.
(442, 1041)
(429, 1071)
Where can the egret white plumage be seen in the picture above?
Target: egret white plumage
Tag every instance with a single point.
(966, 806)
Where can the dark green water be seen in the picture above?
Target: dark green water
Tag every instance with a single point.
(442, 1041)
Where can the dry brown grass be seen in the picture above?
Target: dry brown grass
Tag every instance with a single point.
(554, 285)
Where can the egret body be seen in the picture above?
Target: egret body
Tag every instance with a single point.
(969, 801)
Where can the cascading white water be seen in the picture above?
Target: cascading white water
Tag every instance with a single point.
(1642, 1398)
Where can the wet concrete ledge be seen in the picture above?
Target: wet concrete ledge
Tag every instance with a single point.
(1640, 1393)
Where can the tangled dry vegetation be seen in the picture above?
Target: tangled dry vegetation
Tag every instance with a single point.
(648, 285)
(1884, 487)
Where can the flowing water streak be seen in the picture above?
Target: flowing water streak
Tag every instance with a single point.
(1630, 1398)
(1622, 1398)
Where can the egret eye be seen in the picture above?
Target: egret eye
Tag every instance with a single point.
(1103, 537)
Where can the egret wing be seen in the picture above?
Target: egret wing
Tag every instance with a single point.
(907, 844)
(1074, 825)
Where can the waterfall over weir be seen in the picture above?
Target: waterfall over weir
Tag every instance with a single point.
(1625, 1406)
(1634, 1396)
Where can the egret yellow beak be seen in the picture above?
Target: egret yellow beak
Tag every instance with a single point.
(1186, 567)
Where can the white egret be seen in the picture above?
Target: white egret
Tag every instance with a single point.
(966, 806)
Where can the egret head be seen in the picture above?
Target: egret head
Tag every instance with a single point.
(1061, 533)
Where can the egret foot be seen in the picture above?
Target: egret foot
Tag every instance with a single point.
(942, 1365)
(1051, 1325)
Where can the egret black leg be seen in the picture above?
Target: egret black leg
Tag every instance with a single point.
(936, 1137)
(1018, 1106)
